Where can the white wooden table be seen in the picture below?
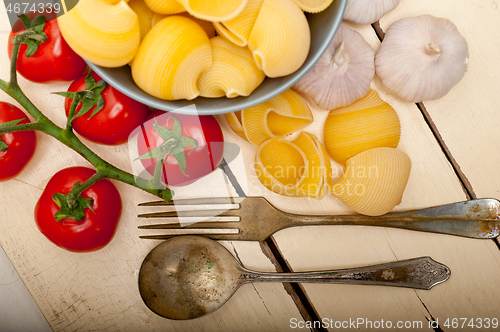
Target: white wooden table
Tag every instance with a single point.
(452, 142)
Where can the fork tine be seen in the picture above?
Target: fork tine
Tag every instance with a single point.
(192, 213)
(196, 201)
(217, 237)
(194, 226)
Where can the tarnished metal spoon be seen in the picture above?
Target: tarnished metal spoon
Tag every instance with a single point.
(190, 276)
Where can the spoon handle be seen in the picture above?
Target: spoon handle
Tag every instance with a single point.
(420, 273)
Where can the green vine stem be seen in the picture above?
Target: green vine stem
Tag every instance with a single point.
(68, 138)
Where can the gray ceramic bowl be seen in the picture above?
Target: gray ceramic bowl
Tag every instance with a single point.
(323, 27)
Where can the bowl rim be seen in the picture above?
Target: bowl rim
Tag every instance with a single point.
(180, 106)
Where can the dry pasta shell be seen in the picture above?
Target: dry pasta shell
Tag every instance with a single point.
(207, 26)
(171, 59)
(277, 162)
(234, 121)
(144, 14)
(313, 6)
(292, 168)
(284, 114)
(239, 28)
(105, 34)
(366, 124)
(214, 10)
(233, 72)
(166, 7)
(280, 39)
(374, 181)
(315, 177)
(157, 18)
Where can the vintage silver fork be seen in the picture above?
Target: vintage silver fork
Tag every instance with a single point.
(259, 219)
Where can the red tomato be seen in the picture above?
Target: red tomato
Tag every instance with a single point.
(98, 227)
(115, 122)
(21, 145)
(53, 61)
(203, 160)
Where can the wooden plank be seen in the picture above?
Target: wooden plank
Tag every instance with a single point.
(99, 291)
(432, 182)
(467, 118)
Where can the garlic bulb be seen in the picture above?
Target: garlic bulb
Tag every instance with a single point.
(368, 11)
(344, 72)
(422, 58)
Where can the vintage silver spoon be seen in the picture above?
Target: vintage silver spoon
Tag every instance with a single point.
(190, 276)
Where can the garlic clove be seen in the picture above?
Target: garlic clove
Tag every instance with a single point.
(422, 58)
(368, 11)
(343, 74)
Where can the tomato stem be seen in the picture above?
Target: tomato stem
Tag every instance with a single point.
(72, 110)
(13, 61)
(68, 138)
(21, 127)
(75, 192)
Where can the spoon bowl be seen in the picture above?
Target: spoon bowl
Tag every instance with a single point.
(187, 277)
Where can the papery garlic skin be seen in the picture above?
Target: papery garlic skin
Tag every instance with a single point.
(368, 11)
(343, 73)
(422, 58)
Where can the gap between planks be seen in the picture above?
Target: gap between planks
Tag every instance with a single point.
(271, 251)
(464, 181)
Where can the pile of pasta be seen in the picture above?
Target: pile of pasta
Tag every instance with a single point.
(173, 50)
(363, 137)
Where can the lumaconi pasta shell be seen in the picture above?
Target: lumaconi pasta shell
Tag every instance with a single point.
(205, 25)
(239, 28)
(315, 176)
(256, 125)
(292, 168)
(104, 34)
(280, 39)
(233, 72)
(166, 7)
(234, 121)
(284, 114)
(277, 162)
(374, 181)
(366, 124)
(313, 6)
(144, 14)
(114, 2)
(171, 59)
(157, 18)
(214, 10)
(327, 164)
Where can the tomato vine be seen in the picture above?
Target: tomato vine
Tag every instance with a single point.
(67, 137)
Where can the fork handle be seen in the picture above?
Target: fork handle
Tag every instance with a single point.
(419, 273)
(478, 218)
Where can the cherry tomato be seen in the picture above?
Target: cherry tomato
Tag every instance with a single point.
(200, 161)
(98, 227)
(53, 61)
(115, 122)
(21, 144)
